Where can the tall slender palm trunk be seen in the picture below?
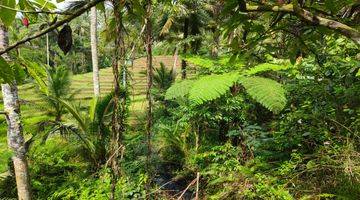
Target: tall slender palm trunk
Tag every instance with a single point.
(217, 7)
(14, 133)
(183, 62)
(149, 69)
(94, 52)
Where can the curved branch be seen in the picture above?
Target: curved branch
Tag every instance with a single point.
(305, 15)
(52, 27)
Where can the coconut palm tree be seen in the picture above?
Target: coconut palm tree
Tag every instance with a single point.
(94, 54)
(185, 17)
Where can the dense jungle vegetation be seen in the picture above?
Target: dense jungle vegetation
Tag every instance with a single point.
(180, 99)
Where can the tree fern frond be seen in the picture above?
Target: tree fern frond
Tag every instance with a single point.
(211, 87)
(179, 89)
(267, 92)
(200, 61)
(266, 67)
(206, 62)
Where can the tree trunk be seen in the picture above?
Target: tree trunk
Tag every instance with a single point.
(47, 50)
(14, 132)
(149, 69)
(94, 54)
(176, 56)
(183, 62)
(216, 45)
(117, 119)
(217, 7)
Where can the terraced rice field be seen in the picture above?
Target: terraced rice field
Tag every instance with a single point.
(32, 111)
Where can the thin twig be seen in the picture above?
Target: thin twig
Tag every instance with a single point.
(160, 187)
(107, 162)
(182, 194)
(2, 113)
(348, 129)
(197, 186)
(52, 27)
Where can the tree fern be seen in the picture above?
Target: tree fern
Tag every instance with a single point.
(267, 92)
(220, 64)
(211, 87)
(179, 89)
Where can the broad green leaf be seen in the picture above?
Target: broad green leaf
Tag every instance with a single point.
(358, 73)
(7, 14)
(45, 4)
(6, 73)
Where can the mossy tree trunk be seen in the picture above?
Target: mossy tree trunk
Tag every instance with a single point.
(117, 117)
(149, 69)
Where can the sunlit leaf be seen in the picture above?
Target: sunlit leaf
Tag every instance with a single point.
(7, 14)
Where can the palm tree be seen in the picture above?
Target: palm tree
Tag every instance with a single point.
(15, 135)
(188, 18)
(58, 87)
(92, 127)
(94, 55)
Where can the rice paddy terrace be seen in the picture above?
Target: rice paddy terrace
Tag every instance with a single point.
(32, 111)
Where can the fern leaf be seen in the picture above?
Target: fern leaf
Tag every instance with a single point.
(266, 67)
(179, 89)
(267, 92)
(200, 61)
(211, 87)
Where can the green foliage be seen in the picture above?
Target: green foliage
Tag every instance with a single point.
(211, 87)
(222, 64)
(264, 67)
(179, 89)
(267, 92)
(7, 12)
(163, 78)
(10, 72)
(57, 87)
(5, 71)
(37, 72)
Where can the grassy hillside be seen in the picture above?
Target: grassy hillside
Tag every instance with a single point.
(33, 113)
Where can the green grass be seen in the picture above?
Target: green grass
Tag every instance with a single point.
(33, 111)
